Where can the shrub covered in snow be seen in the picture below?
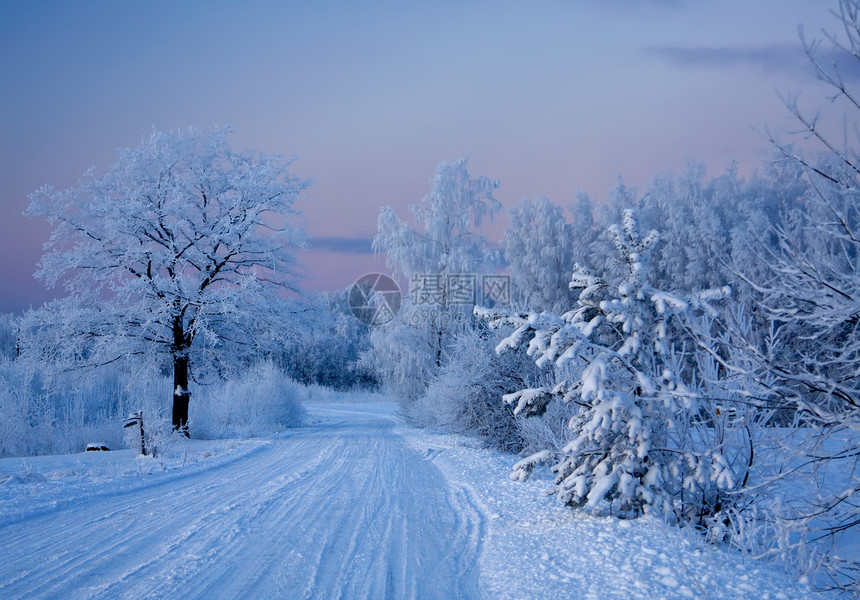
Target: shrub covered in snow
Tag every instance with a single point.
(42, 412)
(463, 398)
(54, 413)
(262, 401)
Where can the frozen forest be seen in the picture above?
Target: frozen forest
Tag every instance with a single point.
(686, 352)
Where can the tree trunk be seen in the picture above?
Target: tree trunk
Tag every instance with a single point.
(442, 308)
(439, 345)
(181, 394)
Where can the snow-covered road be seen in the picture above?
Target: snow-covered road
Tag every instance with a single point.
(340, 509)
(355, 505)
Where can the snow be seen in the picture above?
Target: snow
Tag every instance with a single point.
(355, 505)
(535, 548)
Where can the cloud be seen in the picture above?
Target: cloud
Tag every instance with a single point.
(627, 5)
(774, 57)
(342, 245)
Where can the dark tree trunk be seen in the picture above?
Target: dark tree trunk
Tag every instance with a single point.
(443, 306)
(181, 394)
(439, 344)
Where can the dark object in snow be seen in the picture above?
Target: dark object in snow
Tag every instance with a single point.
(91, 447)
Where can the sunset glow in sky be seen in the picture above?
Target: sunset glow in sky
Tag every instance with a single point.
(550, 97)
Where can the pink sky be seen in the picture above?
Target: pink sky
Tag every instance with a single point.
(372, 96)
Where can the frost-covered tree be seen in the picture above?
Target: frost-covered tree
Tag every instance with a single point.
(810, 291)
(539, 246)
(442, 245)
(179, 249)
(402, 355)
(814, 288)
(8, 336)
(583, 229)
(443, 238)
(325, 343)
(695, 215)
(618, 359)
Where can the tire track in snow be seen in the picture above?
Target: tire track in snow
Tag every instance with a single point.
(101, 540)
(342, 509)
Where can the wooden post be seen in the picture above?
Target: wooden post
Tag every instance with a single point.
(137, 418)
(142, 438)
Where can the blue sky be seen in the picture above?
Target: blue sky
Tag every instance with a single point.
(372, 96)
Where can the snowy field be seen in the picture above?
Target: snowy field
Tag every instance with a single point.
(354, 505)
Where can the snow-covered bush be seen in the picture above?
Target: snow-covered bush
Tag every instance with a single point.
(548, 431)
(463, 398)
(634, 439)
(46, 412)
(42, 412)
(262, 401)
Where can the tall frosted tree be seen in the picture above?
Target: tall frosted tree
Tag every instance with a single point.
(443, 241)
(810, 290)
(443, 238)
(179, 248)
(539, 246)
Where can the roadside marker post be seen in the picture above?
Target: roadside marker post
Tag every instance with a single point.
(137, 418)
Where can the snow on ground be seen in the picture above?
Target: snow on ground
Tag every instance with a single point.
(74, 479)
(536, 548)
(355, 505)
(339, 509)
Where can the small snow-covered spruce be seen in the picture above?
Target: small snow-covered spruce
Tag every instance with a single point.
(630, 442)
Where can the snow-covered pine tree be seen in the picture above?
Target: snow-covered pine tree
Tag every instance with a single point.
(620, 358)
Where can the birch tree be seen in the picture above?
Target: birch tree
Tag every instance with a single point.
(443, 243)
